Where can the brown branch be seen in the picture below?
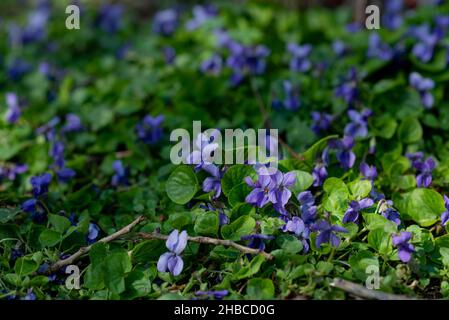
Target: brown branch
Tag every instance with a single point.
(208, 240)
(365, 293)
(65, 262)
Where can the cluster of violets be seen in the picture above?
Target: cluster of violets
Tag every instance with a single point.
(35, 206)
(244, 61)
(423, 86)
(35, 29)
(14, 108)
(250, 60)
(149, 129)
(428, 38)
(56, 137)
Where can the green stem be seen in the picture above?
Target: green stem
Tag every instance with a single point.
(331, 256)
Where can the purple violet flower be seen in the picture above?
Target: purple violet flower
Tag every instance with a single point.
(282, 183)
(368, 172)
(425, 168)
(328, 233)
(204, 149)
(264, 191)
(172, 260)
(291, 100)
(169, 54)
(40, 184)
(121, 174)
(347, 89)
(405, 249)
(109, 18)
(201, 14)
(92, 233)
(213, 183)
(339, 48)
(72, 123)
(392, 215)
(345, 155)
(321, 121)
(49, 129)
(14, 111)
(35, 29)
(256, 241)
(319, 174)
(358, 127)
(392, 14)
(30, 295)
(445, 214)
(17, 69)
(423, 86)
(352, 214)
(424, 49)
(149, 130)
(245, 60)
(378, 49)
(165, 22)
(216, 294)
(212, 65)
(299, 61)
(11, 172)
(35, 209)
(65, 174)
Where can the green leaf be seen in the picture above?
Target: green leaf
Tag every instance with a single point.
(137, 285)
(444, 252)
(361, 261)
(59, 222)
(25, 266)
(240, 227)
(8, 214)
(116, 265)
(289, 243)
(250, 269)
(182, 185)
(234, 176)
(424, 206)
(148, 251)
(207, 223)
(317, 147)
(337, 195)
(179, 220)
(49, 238)
(260, 289)
(332, 184)
(270, 225)
(98, 253)
(375, 221)
(94, 277)
(380, 240)
(303, 181)
(360, 188)
(238, 194)
(385, 126)
(410, 130)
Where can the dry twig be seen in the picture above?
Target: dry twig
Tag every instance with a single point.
(208, 240)
(65, 262)
(360, 291)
